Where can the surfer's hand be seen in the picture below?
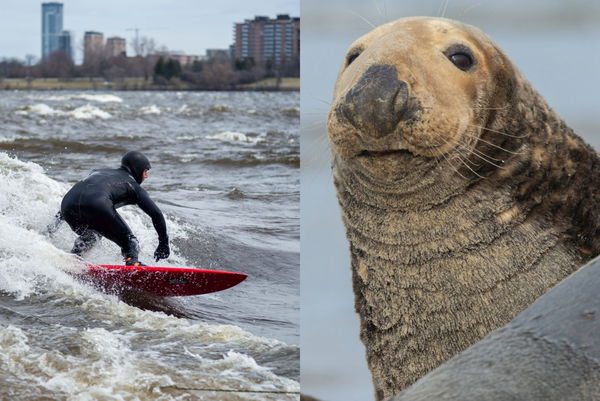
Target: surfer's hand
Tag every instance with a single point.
(162, 251)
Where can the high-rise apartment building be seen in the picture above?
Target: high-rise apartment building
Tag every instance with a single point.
(266, 40)
(52, 26)
(116, 46)
(93, 47)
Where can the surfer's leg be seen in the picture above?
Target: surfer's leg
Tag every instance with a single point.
(119, 232)
(85, 241)
(87, 237)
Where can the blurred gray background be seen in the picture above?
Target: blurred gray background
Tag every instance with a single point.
(556, 44)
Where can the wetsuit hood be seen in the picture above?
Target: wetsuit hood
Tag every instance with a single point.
(135, 163)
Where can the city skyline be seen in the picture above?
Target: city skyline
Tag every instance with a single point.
(180, 25)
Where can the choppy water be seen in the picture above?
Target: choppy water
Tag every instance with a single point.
(226, 174)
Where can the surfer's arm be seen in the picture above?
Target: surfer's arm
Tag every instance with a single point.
(150, 208)
(53, 227)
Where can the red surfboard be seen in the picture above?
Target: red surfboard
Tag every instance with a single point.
(162, 281)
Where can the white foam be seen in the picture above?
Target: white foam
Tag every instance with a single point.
(50, 98)
(186, 138)
(28, 201)
(88, 112)
(186, 157)
(41, 109)
(81, 113)
(232, 136)
(101, 98)
(152, 109)
(234, 368)
(105, 368)
(8, 139)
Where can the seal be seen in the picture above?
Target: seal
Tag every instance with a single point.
(465, 197)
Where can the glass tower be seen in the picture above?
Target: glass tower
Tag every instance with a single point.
(64, 43)
(52, 26)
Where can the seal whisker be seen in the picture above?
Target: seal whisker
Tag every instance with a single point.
(481, 156)
(467, 9)
(317, 149)
(378, 9)
(361, 17)
(488, 157)
(467, 166)
(465, 155)
(443, 8)
(492, 144)
(385, 13)
(475, 151)
(499, 132)
(315, 124)
(321, 100)
(452, 166)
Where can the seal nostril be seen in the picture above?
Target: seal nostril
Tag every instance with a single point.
(400, 103)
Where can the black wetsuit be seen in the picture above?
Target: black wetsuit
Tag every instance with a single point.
(90, 209)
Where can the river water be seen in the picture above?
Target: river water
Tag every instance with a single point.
(225, 171)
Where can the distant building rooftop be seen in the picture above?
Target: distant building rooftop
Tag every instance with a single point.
(280, 17)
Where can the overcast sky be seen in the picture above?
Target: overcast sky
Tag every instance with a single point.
(191, 26)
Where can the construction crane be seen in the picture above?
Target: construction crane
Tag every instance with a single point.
(137, 39)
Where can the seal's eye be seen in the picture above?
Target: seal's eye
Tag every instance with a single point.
(462, 61)
(352, 56)
(461, 57)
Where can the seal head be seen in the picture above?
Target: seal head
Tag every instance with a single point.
(417, 91)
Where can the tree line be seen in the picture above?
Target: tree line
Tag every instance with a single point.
(217, 73)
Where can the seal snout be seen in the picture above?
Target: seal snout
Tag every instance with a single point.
(377, 102)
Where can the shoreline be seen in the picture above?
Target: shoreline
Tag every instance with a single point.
(139, 84)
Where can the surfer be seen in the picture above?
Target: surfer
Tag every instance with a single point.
(90, 209)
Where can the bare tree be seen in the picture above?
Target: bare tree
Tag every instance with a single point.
(143, 46)
(12, 68)
(30, 59)
(57, 65)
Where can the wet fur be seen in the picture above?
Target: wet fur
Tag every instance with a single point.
(447, 246)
